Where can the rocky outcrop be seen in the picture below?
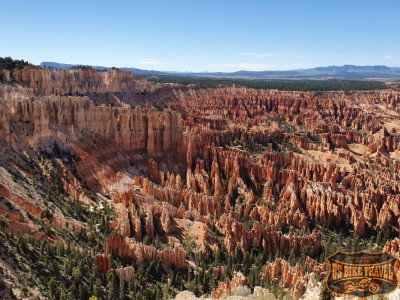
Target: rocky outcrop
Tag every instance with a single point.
(227, 288)
(70, 118)
(294, 278)
(166, 222)
(123, 223)
(249, 107)
(45, 82)
(393, 247)
(126, 273)
(129, 249)
(103, 262)
(128, 219)
(104, 139)
(267, 239)
(290, 277)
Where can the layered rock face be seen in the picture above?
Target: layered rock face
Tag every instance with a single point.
(102, 137)
(46, 82)
(295, 277)
(141, 253)
(71, 119)
(103, 262)
(228, 288)
(336, 140)
(231, 168)
(393, 247)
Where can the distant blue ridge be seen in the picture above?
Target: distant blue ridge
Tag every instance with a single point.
(346, 72)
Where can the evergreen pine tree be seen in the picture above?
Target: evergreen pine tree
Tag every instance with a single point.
(121, 289)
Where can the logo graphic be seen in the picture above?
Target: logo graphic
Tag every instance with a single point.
(362, 274)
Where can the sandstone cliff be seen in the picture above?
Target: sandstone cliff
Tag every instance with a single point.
(232, 168)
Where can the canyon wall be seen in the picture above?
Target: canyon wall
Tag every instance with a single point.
(76, 119)
(46, 82)
(231, 169)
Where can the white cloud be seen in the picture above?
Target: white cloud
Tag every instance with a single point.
(257, 54)
(389, 57)
(266, 54)
(150, 61)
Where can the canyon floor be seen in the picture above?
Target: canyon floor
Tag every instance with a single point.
(112, 187)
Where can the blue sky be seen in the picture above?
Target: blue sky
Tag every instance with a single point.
(203, 35)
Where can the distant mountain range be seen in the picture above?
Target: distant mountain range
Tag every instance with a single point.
(101, 68)
(346, 72)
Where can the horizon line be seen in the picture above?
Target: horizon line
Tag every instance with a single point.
(205, 71)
